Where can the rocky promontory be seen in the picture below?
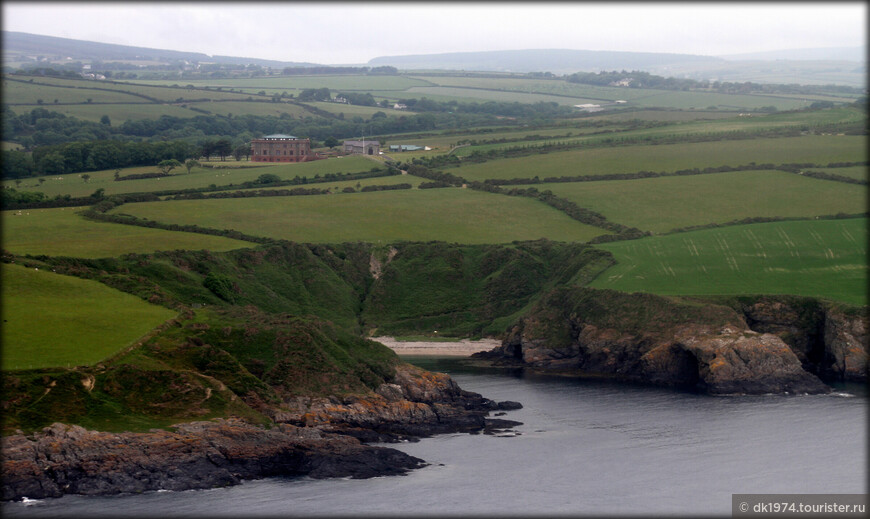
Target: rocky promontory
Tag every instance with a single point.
(750, 347)
(315, 437)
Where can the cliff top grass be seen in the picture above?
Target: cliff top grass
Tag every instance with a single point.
(215, 363)
(55, 320)
(821, 258)
(62, 232)
(666, 203)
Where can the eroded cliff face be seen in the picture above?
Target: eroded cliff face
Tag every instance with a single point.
(830, 342)
(771, 347)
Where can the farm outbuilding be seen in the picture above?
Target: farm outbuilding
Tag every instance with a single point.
(281, 148)
(362, 147)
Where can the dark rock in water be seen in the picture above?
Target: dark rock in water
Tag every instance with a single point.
(509, 405)
(499, 423)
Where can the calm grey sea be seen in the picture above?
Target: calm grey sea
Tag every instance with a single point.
(586, 448)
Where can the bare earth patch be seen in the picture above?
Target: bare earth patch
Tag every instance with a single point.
(462, 348)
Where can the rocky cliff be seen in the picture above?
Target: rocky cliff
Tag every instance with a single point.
(768, 347)
(316, 437)
(830, 341)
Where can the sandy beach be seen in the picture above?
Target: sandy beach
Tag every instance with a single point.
(463, 348)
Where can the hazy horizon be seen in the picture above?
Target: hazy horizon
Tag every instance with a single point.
(350, 33)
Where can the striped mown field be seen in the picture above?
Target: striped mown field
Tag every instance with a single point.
(824, 258)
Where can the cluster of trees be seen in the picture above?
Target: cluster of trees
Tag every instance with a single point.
(40, 127)
(360, 99)
(92, 156)
(314, 94)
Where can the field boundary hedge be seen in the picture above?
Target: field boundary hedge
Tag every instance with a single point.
(789, 168)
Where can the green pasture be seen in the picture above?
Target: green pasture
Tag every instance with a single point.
(118, 113)
(448, 214)
(258, 108)
(62, 232)
(823, 258)
(538, 86)
(6, 146)
(169, 92)
(336, 187)
(50, 320)
(17, 93)
(566, 93)
(472, 95)
(711, 129)
(684, 100)
(632, 114)
(354, 83)
(665, 203)
(816, 149)
(224, 173)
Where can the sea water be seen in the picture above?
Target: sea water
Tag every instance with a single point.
(585, 448)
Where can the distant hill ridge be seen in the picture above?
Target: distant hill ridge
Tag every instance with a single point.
(37, 44)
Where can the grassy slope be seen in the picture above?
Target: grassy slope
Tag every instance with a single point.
(823, 258)
(61, 232)
(435, 289)
(55, 320)
(272, 342)
(454, 215)
(214, 364)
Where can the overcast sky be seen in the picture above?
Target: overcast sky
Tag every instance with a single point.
(354, 32)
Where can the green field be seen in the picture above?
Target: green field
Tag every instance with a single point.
(252, 108)
(351, 83)
(16, 92)
(61, 232)
(712, 130)
(338, 186)
(54, 320)
(232, 173)
(161, 94)
(118, 113)
(453, 215)
(665, 203)
(817, 149)
(638, 97)
(826, 258)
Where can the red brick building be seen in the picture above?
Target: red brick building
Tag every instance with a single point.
(281, 148)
